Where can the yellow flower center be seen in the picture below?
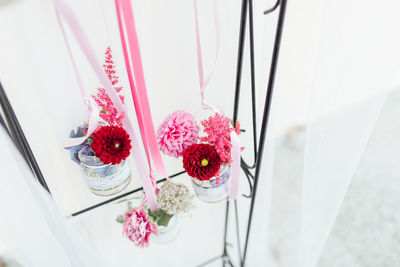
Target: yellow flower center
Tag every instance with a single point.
(116, 145)
(204, 162)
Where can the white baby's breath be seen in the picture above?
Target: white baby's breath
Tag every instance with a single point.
(174, 198)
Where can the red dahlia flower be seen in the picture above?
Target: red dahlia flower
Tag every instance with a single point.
(201, 161)
(111, 144)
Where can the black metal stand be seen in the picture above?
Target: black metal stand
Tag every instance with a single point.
(251, 171)
(258, 148)
(267, 106)
(14, 130)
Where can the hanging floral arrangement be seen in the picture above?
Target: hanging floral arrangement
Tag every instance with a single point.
(102, 154)
(162, 225)
(207, 158)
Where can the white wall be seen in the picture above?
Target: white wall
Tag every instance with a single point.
(37, 75)
(39, 70)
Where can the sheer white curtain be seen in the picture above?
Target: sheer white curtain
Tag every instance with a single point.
(33, 49)
(33, 231)
(339, 59)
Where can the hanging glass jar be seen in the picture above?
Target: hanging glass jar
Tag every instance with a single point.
(168, 226)
(213, 190)
(168, 233)
(103, 179)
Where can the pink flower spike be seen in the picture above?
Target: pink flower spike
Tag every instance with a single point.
(178, 131)
(237, 128)
(109, 112)
(138, 227)
(218, 129)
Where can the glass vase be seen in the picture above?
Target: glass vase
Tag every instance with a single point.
(168, 233)
(211, 190)
(103, 179)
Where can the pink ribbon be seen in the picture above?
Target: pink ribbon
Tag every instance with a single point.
(235, 151)
(90, 105)
(235, 167)
(64, 10)
(204, 81)
(133, 63)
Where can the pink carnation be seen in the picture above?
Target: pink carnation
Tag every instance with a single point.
(138, 227)
(178, 131)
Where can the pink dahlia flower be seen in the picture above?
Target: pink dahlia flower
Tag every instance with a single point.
(178, 131)
(138, 227)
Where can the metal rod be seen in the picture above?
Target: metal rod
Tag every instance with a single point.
(121, 196)
(272, 8)
(268, 100)
(210, 261)
(253, 89)
(253, 82)
(3, 123)
(239, 67)
(249, 176)
(225, 252)
(237, 231)
(19, 138)
(242, 35)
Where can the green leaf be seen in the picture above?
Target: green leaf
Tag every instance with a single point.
(164, 219)
(159, 217)
(120, 219)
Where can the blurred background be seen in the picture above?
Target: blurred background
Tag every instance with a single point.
(329, 190)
